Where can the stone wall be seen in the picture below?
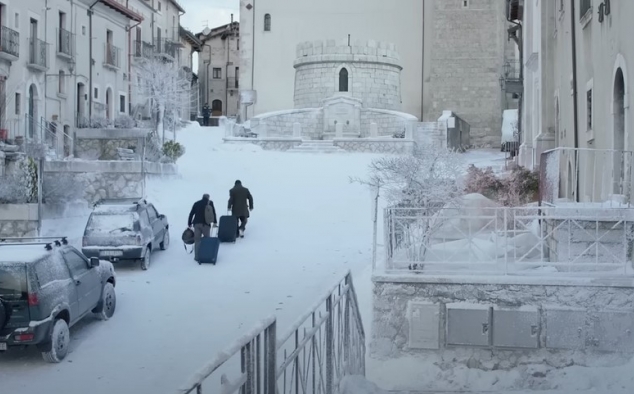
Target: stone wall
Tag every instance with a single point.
(280, 124)
(108, 179)
(102, 144)
(395, 146)
(373, 67)
(493, 324)
(279, 144)
(18, 220)
(388, 123)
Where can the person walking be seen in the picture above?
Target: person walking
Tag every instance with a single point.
(206, 114)
(240, 203)
(202, 217)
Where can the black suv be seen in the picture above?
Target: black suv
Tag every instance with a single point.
(125, 229)
(46, 286)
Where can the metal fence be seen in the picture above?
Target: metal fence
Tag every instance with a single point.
(586, 175)
(65, 42)
(559, 240)
(322, 347)
(9, 41)
(112, 55)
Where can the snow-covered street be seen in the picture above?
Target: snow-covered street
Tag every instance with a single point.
(309, 226)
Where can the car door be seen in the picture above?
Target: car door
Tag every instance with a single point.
(87, 280)
(156, 223)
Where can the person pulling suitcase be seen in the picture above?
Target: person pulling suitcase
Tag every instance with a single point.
(240, 204)
(201, 218)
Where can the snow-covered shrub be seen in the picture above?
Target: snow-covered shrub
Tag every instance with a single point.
(483, 181)
(173, 150)
(99, 122)
(124, 122)
(21, 186)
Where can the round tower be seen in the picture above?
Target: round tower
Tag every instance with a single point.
(369, 71)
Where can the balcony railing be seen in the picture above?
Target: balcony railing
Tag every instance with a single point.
(511, 78)
(38, 53)
(233, 83)
(65, 42)
(143, 49)
(167, 48)
(9, 41)
(112, 56)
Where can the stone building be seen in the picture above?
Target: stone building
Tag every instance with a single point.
(219, 69)
(452, 52)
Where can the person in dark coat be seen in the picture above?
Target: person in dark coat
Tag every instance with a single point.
(240, 203)
(198, 221)
(206, 114)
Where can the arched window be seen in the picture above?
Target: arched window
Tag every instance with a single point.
(343, 80)
(267, 22)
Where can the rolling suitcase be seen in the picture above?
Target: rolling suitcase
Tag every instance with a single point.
(228, 228)
(208, 250)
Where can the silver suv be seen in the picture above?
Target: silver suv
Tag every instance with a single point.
(46, 286)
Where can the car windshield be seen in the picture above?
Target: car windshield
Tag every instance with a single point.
(114, 224)
(13, 282)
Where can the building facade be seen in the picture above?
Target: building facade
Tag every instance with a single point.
(219, 69)
(64, 63)
(586, 107)
(452, 52)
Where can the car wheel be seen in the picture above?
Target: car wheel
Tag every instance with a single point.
(108, 302)
(60, 340)
(147, 258)
(166, 240)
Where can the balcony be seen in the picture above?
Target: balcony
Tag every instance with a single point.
(167, 48)
(9, 44)
(233, 83)
(112, 57)
(511, 79)
(65, 44)
(38, 55)
(143, 49)
(514, 10)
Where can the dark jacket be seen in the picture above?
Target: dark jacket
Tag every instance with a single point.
(206, 111)
(197, 214)
(238, 198)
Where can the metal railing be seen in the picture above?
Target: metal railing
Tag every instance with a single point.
(598, 174)
(40, 131)
(65, 42)
(167, 48)
(322, 347)
(10, 41)
(112, 56)
(143, 49)
(587, 240)
(233, 83)
(512, 70)
(38, 53)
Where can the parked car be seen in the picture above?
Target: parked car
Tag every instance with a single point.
(125, 230)
(46, 286)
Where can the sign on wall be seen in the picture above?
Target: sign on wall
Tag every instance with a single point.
(248, 97)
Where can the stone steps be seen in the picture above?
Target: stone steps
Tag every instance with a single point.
(316, 147)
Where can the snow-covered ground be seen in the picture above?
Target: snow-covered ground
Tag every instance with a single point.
(309, 226)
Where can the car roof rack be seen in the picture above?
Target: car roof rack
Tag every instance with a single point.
(121, 201)
(48, 242)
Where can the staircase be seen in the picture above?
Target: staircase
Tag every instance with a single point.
(316, 146)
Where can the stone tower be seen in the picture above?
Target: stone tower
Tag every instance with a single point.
(466, 47)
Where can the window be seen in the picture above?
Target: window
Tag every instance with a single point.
(50, 270)
(267, 22)
(61, 89)
(152, 213)
(237, 85)
(159, 5)
(465, 3)
(76, 264)
(217, 73)
(96, 93)
(584, 8)
(589, 109)
(343, 80)
(18, 102)
(83, 30)
(17, 21)
(121, 103)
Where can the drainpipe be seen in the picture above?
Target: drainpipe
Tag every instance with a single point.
(573, 36)
(207, 75)
(90, 88)
(246, 110)
(422, 81)
(130, 49)
(46, 56)
(226, 108)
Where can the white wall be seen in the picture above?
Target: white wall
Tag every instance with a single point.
(307, 20)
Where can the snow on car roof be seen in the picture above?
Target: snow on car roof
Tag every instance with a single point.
(114, 209)
(16, 253)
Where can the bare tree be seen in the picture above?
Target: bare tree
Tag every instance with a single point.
(165, 86)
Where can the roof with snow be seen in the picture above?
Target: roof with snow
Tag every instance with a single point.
(19, 253)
